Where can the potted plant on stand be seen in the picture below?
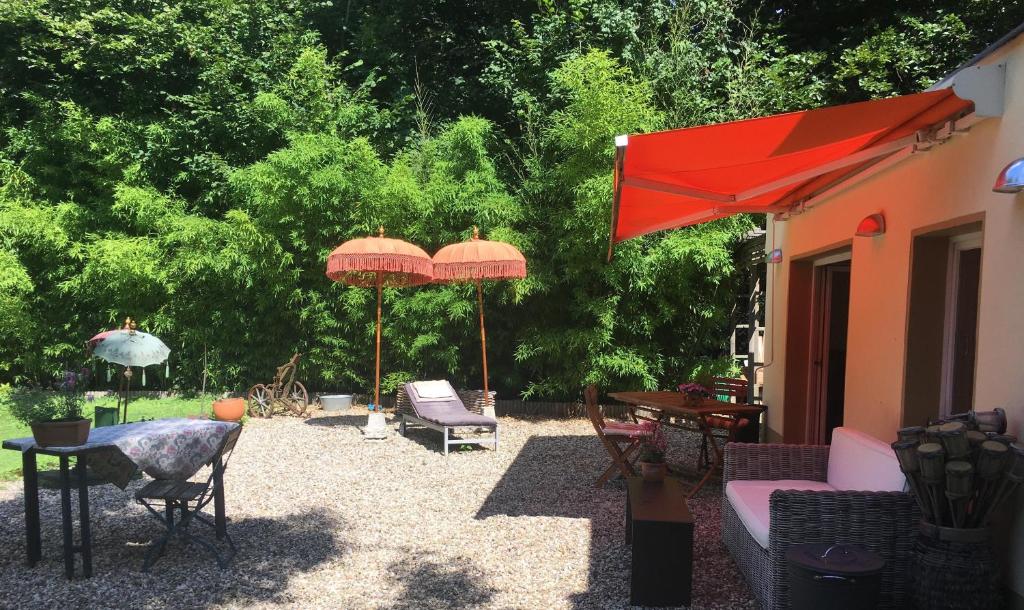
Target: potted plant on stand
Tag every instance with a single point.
(55, 418)
(652, 455)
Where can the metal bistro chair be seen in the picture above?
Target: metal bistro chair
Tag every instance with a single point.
(190, 498)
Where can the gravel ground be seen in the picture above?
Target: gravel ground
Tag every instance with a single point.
(324, 519)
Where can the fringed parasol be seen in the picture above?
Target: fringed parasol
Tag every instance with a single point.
(379, 261)
(474, 261)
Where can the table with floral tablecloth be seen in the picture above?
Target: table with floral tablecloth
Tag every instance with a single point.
(163, 449)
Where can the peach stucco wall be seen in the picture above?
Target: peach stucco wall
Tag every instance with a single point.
(950, 181)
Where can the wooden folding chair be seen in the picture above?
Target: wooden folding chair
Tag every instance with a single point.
(619, 438)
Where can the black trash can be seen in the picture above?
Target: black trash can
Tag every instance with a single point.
(833, 576)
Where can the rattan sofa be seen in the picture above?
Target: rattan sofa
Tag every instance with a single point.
(884, 522)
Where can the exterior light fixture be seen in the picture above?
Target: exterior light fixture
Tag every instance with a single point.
(1011, 179)
(775, 256)
(871, 226)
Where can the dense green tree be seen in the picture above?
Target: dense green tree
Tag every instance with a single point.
(191, 164)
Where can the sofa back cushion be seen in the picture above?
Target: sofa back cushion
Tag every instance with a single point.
(859, 462)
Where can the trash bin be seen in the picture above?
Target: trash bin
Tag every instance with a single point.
(833, 576)
(105, 416)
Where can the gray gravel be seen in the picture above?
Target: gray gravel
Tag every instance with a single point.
(324, 519)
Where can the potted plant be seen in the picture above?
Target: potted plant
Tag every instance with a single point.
(652, 455)
(229, 409)
(55, 418)
(694, 392)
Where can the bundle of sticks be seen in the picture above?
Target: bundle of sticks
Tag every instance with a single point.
(960, 471)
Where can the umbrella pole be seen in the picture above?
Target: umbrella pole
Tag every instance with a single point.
(483, 338)
(127, 393)
(376, 385)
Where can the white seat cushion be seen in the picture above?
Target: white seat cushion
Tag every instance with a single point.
(859, 462)
(750, 501)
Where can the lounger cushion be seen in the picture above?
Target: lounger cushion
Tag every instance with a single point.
(860, 462)
(449, 412)
(750, 501)
(427, 390)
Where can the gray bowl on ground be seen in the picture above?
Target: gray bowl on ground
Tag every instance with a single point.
(336, 402)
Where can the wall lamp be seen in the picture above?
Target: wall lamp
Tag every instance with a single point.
(775, 256)
(871, 226)
(1011, 179)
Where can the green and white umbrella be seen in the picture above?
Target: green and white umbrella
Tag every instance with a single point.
(128, 347)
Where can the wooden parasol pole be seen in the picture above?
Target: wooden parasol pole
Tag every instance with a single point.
(483, 337)
(376, 386)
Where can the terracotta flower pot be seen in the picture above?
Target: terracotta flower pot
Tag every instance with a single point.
(61, 433)
(229, 409)
(652, 472)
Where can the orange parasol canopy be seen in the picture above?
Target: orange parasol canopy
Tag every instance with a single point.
(474, 261)
(478, 259)
(364, 261)
(379, 261)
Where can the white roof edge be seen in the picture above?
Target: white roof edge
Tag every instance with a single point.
(947, 80)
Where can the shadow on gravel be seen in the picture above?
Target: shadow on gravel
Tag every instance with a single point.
(429, 584)
(271, 552)
(433, 441)
(337, 421)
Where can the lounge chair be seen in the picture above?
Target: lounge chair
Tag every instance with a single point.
(436, 405)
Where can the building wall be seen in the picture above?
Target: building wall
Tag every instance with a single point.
(950, 181)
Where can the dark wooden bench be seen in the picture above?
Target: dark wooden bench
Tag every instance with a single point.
(660, 528)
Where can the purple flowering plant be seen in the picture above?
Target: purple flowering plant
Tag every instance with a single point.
(695, 389)
(62, 401)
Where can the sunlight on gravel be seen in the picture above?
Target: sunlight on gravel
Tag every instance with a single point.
(324, 519)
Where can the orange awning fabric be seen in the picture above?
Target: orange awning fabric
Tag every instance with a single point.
(682, 177)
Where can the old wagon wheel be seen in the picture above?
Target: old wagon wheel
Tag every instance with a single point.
(260, 401)
(299, 398)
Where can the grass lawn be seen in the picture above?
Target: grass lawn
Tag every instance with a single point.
(138, 408)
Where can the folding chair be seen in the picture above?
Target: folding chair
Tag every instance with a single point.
(620, 439)
(162, 497)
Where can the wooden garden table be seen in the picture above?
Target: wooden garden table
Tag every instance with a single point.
(666, 404)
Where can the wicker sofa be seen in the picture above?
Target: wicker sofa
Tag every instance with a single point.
(779, 495)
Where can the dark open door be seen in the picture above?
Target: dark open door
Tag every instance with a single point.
(828, 353)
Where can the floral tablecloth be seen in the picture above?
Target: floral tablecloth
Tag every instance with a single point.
(163, 449)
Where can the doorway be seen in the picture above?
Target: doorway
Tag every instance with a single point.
(830, 320)
(961, 324)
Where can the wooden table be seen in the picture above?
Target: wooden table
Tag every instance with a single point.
(675, 404)
(659, 526)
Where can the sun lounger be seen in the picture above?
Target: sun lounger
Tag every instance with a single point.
(437, 406)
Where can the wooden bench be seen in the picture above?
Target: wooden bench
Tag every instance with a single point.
(660, 528)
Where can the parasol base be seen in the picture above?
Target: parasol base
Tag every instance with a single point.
(376, 427)
(488, 411)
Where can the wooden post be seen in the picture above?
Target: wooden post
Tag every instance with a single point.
(483, 338)
(376, 387)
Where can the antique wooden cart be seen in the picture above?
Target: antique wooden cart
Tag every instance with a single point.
(283, 395)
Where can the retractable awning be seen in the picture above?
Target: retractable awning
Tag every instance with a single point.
(682, 177)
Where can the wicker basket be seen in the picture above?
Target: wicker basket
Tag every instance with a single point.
(954, 568)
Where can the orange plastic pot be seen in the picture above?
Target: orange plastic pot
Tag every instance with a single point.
(229, 409)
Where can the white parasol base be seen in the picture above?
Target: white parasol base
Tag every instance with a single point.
(376, 427)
